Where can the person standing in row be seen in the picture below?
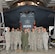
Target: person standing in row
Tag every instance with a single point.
(18, 33)
(29, 37)
(33, 40)
(45, 39)
(24, 39)
(36, 33)
(39, 40)
(7, 38)
(13, 39)
(16, 39)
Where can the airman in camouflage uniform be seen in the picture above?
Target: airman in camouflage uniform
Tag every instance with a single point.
(39, 39)
(13, 39)
(36, 33)
(7, 38)
(29, 37)
(45, 39)
(18, 33)
(33, 40)
(24, 39)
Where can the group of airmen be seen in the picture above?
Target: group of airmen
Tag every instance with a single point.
(28, 39)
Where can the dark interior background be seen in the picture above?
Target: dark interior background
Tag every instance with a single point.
(43, 16)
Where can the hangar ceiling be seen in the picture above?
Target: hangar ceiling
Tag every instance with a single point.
(8, 3)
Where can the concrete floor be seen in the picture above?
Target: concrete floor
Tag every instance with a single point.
(50, 51)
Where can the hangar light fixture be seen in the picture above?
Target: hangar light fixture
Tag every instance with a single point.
(32, 3)
(18, 4)
(38, 2)
(29, 3)
(8, 0)
(22, 3)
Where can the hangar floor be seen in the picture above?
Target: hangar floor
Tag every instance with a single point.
(50, 51)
